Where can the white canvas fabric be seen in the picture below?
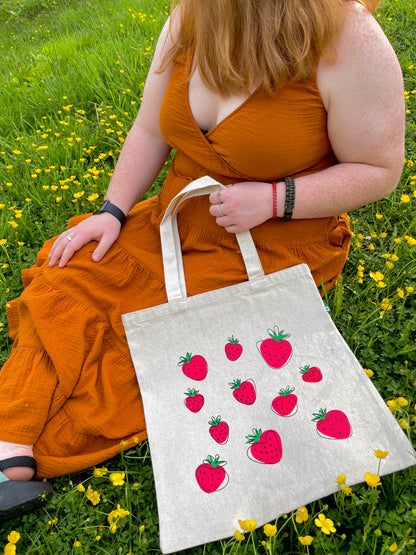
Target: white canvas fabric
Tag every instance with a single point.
(254, 428)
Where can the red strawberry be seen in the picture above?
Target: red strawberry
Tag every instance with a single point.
(311, 375)
(333, 424)
(211, 475)
(265, 448)
(194, 400)
(233, 349)
(286, 403)
(219, 430)
(194, 367)
(275, 350)
(244, 392)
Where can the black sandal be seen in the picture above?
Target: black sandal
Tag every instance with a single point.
(21, 496)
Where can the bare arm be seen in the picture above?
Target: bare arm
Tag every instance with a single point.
(141, 159)
(363, 94)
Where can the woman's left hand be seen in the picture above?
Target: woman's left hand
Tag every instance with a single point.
(242, 206)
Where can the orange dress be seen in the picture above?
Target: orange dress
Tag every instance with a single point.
(69, 386)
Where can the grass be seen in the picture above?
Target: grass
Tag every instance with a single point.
(70, 83)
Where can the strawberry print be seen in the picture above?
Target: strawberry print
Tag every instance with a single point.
(211, 475)
(219, 430)
(265, 447)
(244, 392)
(194, 367)
(194, 400)
(286, 403)
(333, 424)
(233, 349)
(311, 374)
(275, 350)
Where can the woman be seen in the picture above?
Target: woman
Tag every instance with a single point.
(288, 103)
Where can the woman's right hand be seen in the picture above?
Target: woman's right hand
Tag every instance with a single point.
(103, 228)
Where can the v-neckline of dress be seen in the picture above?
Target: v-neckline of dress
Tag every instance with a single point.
(226, 118)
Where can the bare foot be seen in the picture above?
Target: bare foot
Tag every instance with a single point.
(8, 450)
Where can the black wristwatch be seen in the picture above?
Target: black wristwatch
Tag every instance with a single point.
(113, 210)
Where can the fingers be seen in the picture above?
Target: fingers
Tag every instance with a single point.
(64, 247)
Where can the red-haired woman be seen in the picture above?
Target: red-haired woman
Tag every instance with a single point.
(298, 107)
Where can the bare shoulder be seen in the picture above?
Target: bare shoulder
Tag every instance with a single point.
(364, 55)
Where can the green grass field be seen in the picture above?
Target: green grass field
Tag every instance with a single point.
(71, 76)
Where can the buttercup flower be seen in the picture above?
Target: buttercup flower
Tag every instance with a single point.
(92, 496)
(248, 525)
(325, 524)
(117, 478)
(393, 547)
(9, 549)
(380, 454)
(13, 537)
(347, 490)
(373, 480)
(270, 530)
(98, 472)
(239, 536)
(369, 372)
(302, 515)
(305, 540)
(341, 479)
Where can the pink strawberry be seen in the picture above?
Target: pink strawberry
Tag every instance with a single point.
(333, 424)
(194, 400)
(286, 403)
(311, 374)
(233, 349)
(211, 475)
(244, 392)
(275, 350)
(194, 367)
(265, 448)
(219, 430)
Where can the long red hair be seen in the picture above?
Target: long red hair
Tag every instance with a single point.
(240, 44)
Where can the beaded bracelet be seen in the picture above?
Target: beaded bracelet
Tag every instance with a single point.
(290, 198)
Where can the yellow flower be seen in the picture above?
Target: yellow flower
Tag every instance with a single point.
(404, 424)
(410, 240)
(77, 544)
(270, 530)
(99, 472)
(386, 304)
(239, 536)
(13, 537)
(81, 488)
(302, 515)
(400, 292)
(393, 547)
(347, 490)
(117, 478)
(369, 372)
(409, 288)
(93, 496)
(373, 480)
(9, 549)
(142, 528)
(325, 524)
(248, 525)
(3, 241)
(305, 540)
(380, 454)
(379, 216)
(341, 479)
(377, 276)
(405, 198)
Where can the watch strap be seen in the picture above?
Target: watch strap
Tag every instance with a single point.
(113, 210)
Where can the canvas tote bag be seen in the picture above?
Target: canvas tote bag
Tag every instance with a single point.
(254, 404)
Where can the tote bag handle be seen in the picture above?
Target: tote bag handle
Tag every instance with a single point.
(171, 246)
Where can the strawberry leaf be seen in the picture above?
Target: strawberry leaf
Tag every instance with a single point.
(254, 438)
(214, 462)
(321, 415)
